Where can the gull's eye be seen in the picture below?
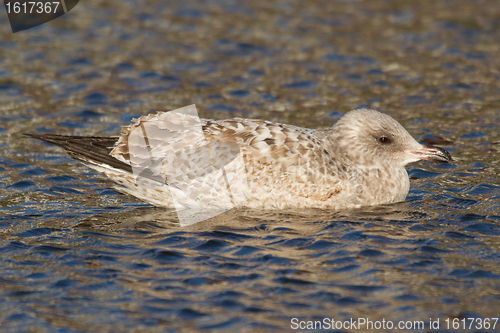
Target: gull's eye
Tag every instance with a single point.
(384, 140)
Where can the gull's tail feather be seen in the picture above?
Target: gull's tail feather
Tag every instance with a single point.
(88, 149)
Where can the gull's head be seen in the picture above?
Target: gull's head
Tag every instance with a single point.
(369, 137)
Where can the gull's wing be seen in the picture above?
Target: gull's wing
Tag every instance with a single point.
(169, 147)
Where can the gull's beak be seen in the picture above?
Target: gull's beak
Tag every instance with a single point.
(433, 154)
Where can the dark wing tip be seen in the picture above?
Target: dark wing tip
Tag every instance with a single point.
(51, 138)
(90, 149)
(34, 135)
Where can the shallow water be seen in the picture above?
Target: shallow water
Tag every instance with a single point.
(78, 257)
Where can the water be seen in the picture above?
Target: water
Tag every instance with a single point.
(78, 257)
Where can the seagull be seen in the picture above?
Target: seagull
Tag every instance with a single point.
(173, 159)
